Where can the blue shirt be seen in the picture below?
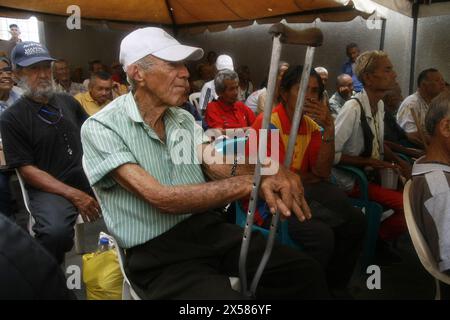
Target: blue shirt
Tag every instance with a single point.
(14, 95)
(348, 69)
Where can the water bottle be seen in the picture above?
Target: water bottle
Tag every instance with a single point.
(103, 244)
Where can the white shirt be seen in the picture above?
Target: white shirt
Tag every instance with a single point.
(212, 95)
(404, 117)
(349, 137)
(244, 94)
(252, 100)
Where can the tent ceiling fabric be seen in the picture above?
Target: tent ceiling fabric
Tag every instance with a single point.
(428, 8)
(212, 13)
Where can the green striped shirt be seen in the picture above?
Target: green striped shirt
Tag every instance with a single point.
(117, 135)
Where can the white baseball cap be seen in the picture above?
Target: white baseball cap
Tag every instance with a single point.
(157, 42)
(224, 62)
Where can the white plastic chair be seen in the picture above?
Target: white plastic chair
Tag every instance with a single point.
(79, 224)
(420, 245)
(194, 98)
(128, 292)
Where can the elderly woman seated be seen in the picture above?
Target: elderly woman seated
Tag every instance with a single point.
(227, 112)
(334, 234)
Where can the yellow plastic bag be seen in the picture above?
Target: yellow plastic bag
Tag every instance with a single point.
(102, 276)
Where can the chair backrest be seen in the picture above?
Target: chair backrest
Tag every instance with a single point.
(120, 252)
(194, 98)
(420, 245)
(26, 199)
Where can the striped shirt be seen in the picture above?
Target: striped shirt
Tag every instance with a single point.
(117, 135)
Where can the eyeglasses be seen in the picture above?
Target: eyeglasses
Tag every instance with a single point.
(50, 115)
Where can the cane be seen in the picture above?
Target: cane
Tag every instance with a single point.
(281, 35)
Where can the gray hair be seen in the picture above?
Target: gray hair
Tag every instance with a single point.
(221, 77)
(439, 109)
(145, 64)
(367, 62)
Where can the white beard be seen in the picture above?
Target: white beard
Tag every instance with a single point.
(43, 91)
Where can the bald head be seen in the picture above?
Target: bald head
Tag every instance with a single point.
(344, 85)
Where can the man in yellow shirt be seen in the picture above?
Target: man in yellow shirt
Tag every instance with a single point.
(99, 94)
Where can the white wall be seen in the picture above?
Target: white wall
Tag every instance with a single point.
(433, 45)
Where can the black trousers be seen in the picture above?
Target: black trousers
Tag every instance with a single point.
(335, 233)
(195, 259)
(55, 218)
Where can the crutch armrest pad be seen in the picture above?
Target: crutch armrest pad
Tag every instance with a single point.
(312, 37)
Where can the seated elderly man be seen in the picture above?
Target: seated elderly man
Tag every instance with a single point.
(157, 203)
(344, 91)
(41, 138)
(61, 74)
(8, 95)
(430, 190)
(334, 234)
(429, 84)
(227, 112)
(99, 94)
(352, 51)
(394, 136)
(360, 140)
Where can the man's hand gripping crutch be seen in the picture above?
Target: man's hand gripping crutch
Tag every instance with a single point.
(281, 35)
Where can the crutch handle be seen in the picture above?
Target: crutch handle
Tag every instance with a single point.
(312, 37)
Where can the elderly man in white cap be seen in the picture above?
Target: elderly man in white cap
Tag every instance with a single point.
(156, 201)
(208, 92)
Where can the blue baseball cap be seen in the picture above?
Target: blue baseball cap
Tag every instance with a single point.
(28, 53)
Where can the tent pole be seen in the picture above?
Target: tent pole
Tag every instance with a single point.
(172, 17)
(383, 33)
(412, 67)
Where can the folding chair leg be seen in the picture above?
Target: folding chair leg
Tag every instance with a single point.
(438, 290)
(79, 238)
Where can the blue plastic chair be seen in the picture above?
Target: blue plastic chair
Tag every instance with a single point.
(233, 146)
(372, 210)
(282, 232)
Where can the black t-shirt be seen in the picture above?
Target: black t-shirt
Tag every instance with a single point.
(46, 136)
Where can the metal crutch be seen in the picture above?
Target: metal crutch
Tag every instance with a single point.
(282, 34)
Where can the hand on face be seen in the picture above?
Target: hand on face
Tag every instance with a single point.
(318, 111)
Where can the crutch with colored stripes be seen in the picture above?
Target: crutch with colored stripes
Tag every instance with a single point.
(282, 34)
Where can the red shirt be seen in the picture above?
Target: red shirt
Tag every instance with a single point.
(223, 116)
(309, 139)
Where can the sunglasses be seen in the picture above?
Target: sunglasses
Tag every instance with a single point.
(50, 115)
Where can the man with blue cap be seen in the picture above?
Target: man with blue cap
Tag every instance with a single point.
(41, 138)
